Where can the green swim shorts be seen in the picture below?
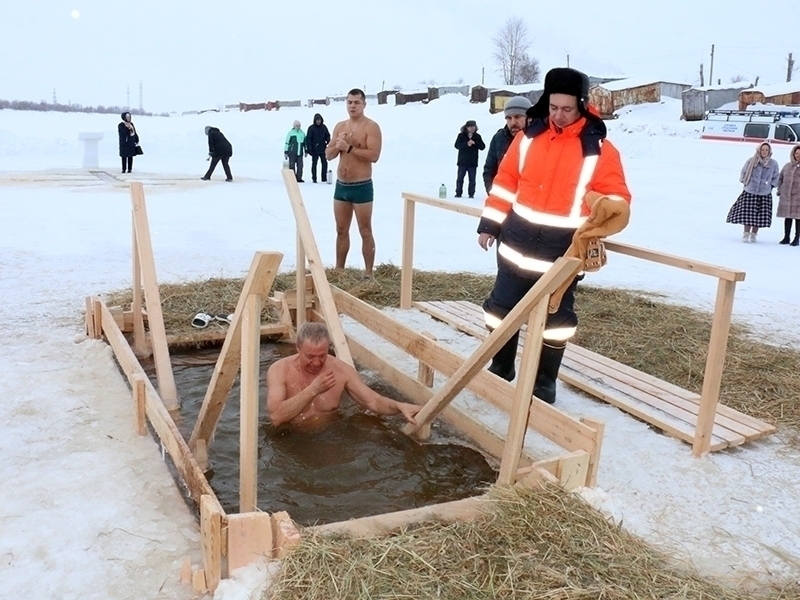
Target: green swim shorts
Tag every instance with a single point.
(359, 192)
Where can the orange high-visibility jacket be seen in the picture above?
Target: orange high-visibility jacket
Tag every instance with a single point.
(546, 173)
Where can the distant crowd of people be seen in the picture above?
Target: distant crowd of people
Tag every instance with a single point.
(753, 208)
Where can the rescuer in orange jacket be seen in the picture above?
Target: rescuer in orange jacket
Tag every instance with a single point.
(536, 203)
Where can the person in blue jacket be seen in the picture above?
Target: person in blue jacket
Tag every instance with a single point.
(468, 143)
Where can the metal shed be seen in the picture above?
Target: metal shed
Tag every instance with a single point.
(611, 96)
(698, 100)
(498, 97)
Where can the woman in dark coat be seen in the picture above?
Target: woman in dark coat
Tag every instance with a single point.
(219, 149)
(468, 143)
(128, 140)
(789, 194)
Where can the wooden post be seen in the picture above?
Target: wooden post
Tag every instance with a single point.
(211, 534)
(300, 277)
(155, 317)
(425, 371)
(90, 318)
(715, 362)
(407, 261)
(248, 410)
(97, 318)
(594, 455)
(139, 400)
(518, 424)
(321, 285)
(249, 539)
(139, 341)
(259, 281)
(549, 282)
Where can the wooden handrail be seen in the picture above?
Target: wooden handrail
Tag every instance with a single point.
(720, 327)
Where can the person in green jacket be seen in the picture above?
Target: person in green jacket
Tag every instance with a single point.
(294, 148)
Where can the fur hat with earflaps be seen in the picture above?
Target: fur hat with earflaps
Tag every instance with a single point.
(562, 80)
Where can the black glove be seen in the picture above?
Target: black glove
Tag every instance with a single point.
(285, 155)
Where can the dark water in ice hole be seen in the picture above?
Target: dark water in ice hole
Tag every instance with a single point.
(357, 465)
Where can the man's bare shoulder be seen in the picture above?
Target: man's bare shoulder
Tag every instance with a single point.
(371, 125)
(281, 365)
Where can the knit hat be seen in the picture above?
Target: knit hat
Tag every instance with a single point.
(470, 123)
(296, 124)
(517, 105)
(562, 80)
(207, 129)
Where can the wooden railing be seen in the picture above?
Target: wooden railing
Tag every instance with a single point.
(720, 327)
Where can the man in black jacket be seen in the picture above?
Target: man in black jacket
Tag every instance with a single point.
(317, 139)
(516, 121)
(219, 149)
(468, 143)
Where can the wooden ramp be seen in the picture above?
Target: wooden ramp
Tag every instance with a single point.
(663, 405)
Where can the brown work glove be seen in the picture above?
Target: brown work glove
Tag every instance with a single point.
(608, 217)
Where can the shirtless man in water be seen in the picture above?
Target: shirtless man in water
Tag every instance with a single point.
(307, 387)
(357, 141)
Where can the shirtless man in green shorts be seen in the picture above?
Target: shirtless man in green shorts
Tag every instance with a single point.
(357, 141)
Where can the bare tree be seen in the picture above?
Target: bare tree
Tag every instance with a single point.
(511, 49)
(738, 78)
(529, 70)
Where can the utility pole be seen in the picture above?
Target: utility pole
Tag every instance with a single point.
(711, 70)
(56, 102)
(702, 81)
(482, 73)
(567, 60)
(789, 67)
(141, 105)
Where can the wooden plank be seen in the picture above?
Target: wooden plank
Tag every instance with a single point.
(682, 408)
(573, 470)
(199, 581)
(563, 269)
(186, 570)
(139, 404)
(258, 281)
(178, 340)
(679, 430)
(249, 539)
(211, 539)
(425, 371)
(321, 285)
(485, 438)
(140, 347)
(523, 392)
(155, 316)
(715, 362)
(248, 411)
(458, 510)
(675, 261)
(556, 426)
(90, 332)
(158, 415)
(407, 260)
(464, 316)
(594, 462)
(627, 395)
(438, 203)
(97, 317)
(300, 276)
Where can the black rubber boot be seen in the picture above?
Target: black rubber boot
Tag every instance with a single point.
(549, 364)
(787, 231)
(503, 362)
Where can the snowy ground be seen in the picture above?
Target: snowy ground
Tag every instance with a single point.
(89, 509)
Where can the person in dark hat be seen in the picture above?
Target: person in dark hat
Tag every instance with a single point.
(128, 142)
(516, 119)
(552, 179)
(219, 149)
(468, 143)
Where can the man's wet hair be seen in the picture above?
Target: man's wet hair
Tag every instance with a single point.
(313, 333)
(358, 92)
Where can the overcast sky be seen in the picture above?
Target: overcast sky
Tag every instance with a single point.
(198, 53)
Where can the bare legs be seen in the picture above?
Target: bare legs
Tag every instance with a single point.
(343, 213)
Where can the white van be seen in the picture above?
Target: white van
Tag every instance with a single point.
(774, 126)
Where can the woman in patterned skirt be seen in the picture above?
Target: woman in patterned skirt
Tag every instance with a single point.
(753, 207)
